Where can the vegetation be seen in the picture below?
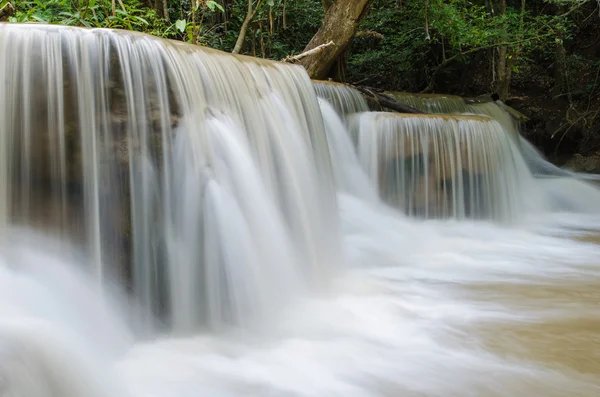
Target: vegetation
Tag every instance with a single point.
(536, 54)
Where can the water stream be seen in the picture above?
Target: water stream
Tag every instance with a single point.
(180, 222)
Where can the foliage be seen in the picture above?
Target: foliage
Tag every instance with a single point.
(447, 35)
(280, 28)
(92, 13)
(449, 45)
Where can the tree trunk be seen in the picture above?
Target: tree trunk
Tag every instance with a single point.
(244, 29)
(165, 9)
(503, 82)
(502, 73)
(560, 59)
(339, 25)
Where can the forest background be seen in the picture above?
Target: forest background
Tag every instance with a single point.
(542, 57)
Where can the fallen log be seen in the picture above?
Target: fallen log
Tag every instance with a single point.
(386, 100)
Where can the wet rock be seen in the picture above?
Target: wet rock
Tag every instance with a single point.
(581, 163)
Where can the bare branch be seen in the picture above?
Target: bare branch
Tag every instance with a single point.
(317, 49)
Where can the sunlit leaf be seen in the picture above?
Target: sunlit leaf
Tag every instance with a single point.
(142, 20)
(39, 19)
(180, 25)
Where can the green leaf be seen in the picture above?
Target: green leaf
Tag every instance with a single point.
(39, 19)
(212, 5)
(180, 24)
(142, 20)
(270, 3)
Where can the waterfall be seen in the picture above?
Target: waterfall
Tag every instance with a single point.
(432, 103)
(344, 99)
(453, 104)
(497, 110)
(435, 166)
(209, 174)
(242, 217)
(350, 176)
(451, 166)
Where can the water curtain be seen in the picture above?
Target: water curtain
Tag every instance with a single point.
(438, 166)
(200, 178)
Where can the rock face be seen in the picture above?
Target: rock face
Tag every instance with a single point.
(589, 164)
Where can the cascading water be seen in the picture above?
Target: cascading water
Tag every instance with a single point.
(496, 110)
(564, 191)
(452, 104)
(350, 177)
(210, 174)
(442, 166)
(432, 103)
(344, 99)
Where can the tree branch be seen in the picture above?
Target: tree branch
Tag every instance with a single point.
(249, 17)
(6, 11)
(316, 50)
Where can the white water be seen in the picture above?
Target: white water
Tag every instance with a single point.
(423, 309)
(417, 316)
(436, 308)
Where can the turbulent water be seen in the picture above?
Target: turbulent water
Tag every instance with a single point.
(264, 260)
(343, 99)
